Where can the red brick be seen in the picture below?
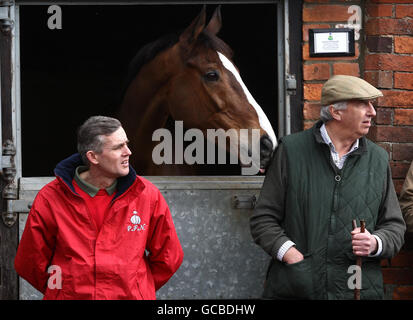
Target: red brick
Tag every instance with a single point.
(403, 80)
(387, 61)
(384, 116)
(311, 111)
(306, 54)
(324, 13)
(391, 134)
(397, 275)
(403, 44)
(403, 259)
(350, 69)
(379, 26)
(316, 71)
(379, 44)
(398, 184)
(393, 98)
(403, 117)
(379, 10)
(403, 293)
(379, 79)
(312, 91)
(403, 152)
(399, 171)
(404, 11)
(312, 26)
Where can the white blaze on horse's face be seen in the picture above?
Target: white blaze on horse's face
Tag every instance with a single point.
(264, 122)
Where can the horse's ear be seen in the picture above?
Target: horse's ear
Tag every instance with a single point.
(215, 23)
(196, 27)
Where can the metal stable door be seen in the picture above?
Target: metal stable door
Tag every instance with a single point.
(9, 170)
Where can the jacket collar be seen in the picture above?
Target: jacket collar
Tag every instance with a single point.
(319, 139)
(90, 189)
(66, 170)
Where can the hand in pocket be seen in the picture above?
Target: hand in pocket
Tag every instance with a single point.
(292, 256)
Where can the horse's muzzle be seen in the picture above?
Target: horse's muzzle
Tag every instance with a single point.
(266, 147)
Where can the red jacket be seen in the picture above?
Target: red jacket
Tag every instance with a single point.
(136, 251)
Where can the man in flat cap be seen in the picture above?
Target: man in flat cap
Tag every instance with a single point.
(319, 181)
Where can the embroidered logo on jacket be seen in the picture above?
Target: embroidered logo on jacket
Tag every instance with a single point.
(136, 222)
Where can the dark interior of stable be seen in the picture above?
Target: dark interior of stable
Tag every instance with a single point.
(70, 74)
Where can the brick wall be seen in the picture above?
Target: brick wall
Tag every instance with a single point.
(384, 57)
(324, 14)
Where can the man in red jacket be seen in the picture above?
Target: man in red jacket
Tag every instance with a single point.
(99, 231)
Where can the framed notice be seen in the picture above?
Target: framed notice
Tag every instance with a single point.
(331, 42)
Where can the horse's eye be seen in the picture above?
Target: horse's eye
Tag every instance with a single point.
(211, 75)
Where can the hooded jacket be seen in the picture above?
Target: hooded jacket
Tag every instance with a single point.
(64, 256)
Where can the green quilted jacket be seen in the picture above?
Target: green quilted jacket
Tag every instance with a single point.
(314, 206)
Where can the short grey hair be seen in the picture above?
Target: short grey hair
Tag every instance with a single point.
(325, 114)
(91, 132)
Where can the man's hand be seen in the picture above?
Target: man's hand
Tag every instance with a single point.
(292, 256)
(363, 243)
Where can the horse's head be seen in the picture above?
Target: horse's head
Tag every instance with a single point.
(207, 91)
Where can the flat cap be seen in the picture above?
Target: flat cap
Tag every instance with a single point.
(342, 88)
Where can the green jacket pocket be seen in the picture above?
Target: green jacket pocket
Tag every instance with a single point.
(290, 281)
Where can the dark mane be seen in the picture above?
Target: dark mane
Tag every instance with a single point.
(146, 54)
(150, 50)
(213, 42)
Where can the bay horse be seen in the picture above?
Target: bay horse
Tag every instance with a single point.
(190, 77)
